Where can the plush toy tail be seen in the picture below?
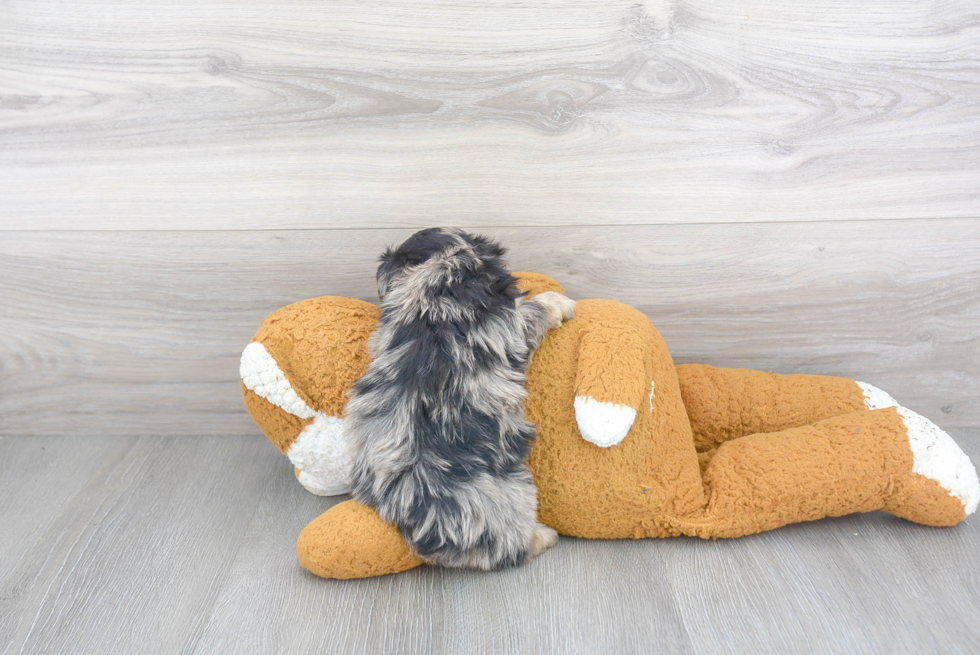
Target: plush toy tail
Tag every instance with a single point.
(611, 383)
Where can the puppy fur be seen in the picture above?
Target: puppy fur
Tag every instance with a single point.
(437, 424)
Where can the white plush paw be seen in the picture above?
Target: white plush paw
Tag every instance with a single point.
(936, 456)
(875, 398)
(320, 453)
(604, 424)
(323, 487)
(560, 307)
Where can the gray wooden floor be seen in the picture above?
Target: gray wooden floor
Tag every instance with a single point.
(186, 544)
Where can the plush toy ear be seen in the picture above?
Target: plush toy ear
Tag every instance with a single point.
(611, 383)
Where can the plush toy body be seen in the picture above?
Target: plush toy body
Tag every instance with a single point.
(628, 446)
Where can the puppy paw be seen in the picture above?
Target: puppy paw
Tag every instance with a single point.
(542, 539)
(560, 307)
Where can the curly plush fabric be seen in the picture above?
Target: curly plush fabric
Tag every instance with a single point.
(727, 403)
(351, 541)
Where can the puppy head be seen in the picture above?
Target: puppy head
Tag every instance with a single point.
(439, 255)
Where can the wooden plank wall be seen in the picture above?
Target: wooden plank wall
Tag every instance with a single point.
(787, 186)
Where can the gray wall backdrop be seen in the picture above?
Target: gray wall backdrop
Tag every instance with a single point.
(778, 185)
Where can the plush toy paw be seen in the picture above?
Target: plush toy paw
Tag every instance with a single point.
(322, 486)
(560, 307)
(937, 457)
(875, 398)
(604, 424)
(320, 453)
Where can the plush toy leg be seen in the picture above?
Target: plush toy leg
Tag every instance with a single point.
(890, 459)
(351, 541)
(726, 403)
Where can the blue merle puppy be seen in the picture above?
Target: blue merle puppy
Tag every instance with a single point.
(436, 426)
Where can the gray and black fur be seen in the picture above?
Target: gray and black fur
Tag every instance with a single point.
(436, 425)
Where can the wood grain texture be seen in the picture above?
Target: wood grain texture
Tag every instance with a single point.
(188, 545)
(142, 331)
(309, 114)
(139, 549)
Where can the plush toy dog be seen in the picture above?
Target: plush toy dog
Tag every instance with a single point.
(628, 445)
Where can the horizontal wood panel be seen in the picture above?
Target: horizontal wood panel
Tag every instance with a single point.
(140, 332)
(217, 115)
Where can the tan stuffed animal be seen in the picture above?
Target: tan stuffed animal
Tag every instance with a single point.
(628, 446)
